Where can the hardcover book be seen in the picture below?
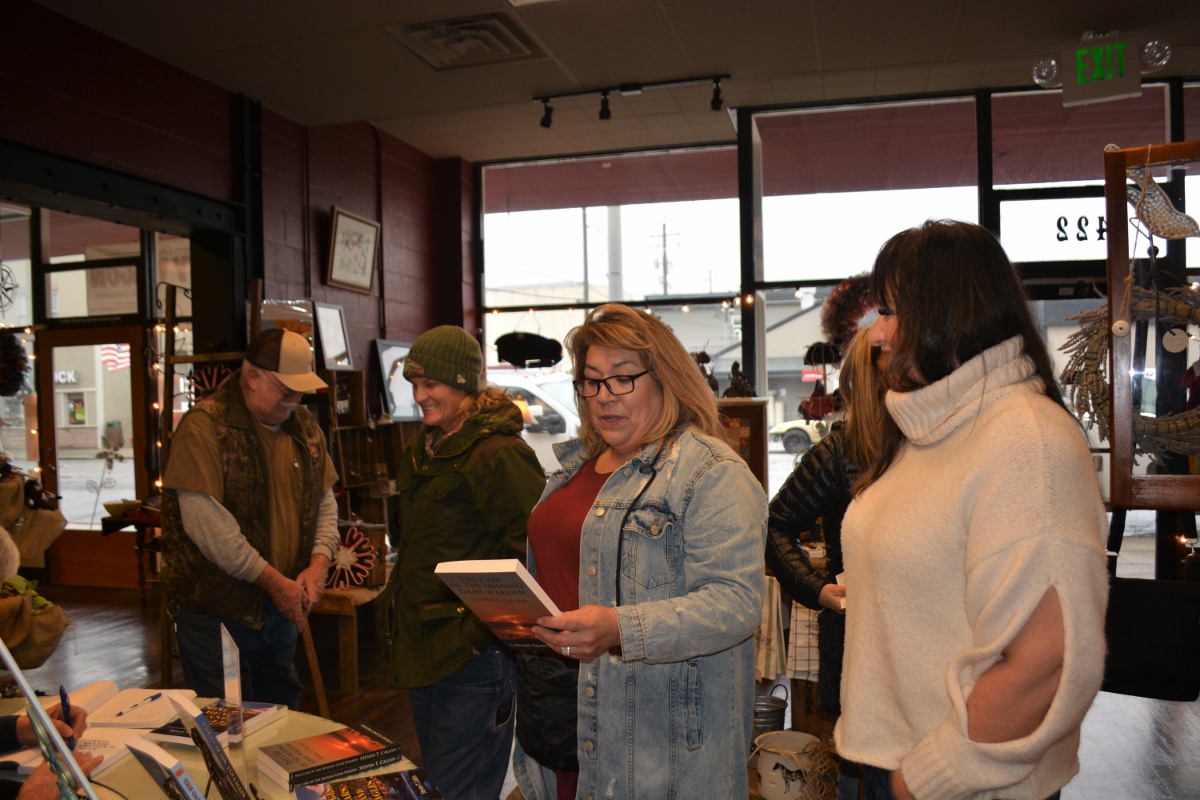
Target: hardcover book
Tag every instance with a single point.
(327, 755)
(503, 594)
(165, 769)
(254, 717)
(409, 784)
(226, 779)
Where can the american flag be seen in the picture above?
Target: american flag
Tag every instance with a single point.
(115, 356)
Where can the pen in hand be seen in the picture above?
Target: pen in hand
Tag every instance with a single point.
(66, 712)
(140, 703)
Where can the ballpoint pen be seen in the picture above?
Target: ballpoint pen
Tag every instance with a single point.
(140, 703)
(66, 712)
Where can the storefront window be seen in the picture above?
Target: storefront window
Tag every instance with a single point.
(621, 228)
(1036, 143)
(1191, 126)
(100, 291)
(838, 182)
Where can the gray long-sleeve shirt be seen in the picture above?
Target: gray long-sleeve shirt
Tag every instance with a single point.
(220, 539)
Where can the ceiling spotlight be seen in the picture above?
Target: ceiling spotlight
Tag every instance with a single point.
(605, 112)
(717, 102)
(1155, 56)
(548, 116)
(1046, 73)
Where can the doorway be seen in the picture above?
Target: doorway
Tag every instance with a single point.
(92, 441)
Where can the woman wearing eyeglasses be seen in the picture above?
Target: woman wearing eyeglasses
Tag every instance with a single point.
(650, 539)
(466, 483)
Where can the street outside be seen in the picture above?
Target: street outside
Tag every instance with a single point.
(79, 502)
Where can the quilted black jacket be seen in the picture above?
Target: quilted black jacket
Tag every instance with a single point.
(818, 489)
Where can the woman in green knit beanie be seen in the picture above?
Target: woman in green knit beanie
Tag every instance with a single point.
(466, 483)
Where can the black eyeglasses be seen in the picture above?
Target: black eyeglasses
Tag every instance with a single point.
(616, 384)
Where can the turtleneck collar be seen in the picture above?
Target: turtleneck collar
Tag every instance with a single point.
(929, 414)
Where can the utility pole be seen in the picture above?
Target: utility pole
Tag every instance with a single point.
(664, 257)
(616, 288)
(585, 255)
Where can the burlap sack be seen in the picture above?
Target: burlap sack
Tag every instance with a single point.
(36, 531)
(12, 500)
(31, 639)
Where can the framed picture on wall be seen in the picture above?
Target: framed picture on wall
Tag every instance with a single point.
(744, 423)
(353, 246)
(331, 336)
(397, 392)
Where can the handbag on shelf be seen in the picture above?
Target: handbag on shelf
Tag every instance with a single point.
(1153, 632)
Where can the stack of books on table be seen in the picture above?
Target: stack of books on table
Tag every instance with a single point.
(409, 784)
(255, 716)
(326, 756)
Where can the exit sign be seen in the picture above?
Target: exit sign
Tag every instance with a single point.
(1101, 69)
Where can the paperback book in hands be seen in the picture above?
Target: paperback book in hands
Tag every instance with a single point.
(504, 595)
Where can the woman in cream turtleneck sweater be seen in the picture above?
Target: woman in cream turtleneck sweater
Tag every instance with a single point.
(975, 571)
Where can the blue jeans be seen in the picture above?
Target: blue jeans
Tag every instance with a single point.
(879, 784)
(267, 655)
(465, 726)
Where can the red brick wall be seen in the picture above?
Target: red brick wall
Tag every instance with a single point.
(69, 90)
(72, 91)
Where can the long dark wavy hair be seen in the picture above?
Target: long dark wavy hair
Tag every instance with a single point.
(955, 294)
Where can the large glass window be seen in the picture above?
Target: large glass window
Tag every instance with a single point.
(1191, 133)
(1036, 143)
(91, 291)
(838, 182)
(620, 228)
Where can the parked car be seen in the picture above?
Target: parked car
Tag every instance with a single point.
(548, 404)
(798, 435)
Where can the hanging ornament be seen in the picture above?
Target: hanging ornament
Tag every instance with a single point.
(1155, 209)
(1175, 340)
(352, 561)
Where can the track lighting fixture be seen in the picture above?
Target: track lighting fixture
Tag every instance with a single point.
(629, 89)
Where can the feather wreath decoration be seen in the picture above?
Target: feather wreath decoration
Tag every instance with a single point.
(353, 560)
(1086, 379)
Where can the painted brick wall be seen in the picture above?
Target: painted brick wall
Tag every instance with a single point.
(67, 89)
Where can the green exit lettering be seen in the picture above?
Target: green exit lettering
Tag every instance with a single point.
(1101, 63)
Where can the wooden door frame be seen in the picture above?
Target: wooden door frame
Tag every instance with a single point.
(45, 342)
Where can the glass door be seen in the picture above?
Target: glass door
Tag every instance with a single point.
(92, 431)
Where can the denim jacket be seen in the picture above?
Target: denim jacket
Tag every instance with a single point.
(671, 716)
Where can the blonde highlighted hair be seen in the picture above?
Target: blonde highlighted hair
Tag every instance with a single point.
(862, 395)
(688, 402)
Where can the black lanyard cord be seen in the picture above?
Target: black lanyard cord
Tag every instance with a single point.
(650, 469)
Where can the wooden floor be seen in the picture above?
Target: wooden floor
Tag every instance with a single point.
(1133, 749)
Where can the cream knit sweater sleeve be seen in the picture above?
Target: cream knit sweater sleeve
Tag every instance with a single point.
(1034, 523)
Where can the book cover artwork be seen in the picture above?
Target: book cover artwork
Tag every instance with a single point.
(326, 755)
(409, 784)
(504, 595)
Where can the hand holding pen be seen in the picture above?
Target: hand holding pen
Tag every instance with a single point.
(65, 701)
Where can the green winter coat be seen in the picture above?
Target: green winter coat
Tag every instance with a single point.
(470, 500)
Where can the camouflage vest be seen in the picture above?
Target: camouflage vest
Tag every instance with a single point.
(188, 577)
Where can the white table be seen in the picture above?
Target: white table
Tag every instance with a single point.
(131, 779)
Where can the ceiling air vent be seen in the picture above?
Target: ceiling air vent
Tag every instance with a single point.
(468, 41)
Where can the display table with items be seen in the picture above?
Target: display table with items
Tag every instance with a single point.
(126, 777)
